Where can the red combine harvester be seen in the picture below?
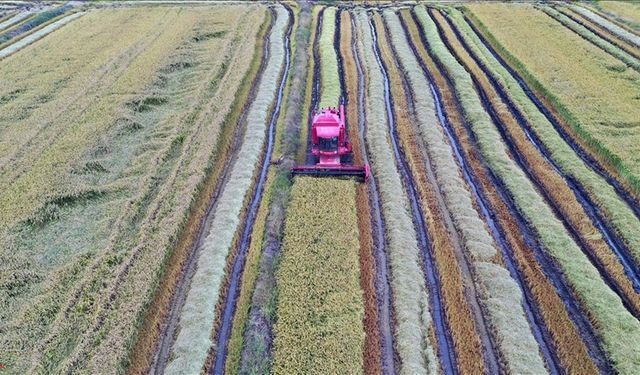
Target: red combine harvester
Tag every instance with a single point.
(330, 148)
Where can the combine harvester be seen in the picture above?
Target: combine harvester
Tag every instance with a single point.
(330, 148)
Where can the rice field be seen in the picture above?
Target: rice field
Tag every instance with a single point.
(150, 221)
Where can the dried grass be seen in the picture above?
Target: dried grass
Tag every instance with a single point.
(608, 25)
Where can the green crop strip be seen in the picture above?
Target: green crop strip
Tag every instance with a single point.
(330, 88)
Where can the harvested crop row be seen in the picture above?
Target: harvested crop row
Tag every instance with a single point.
(156, 333)
(372, 351)
(618, 327)
(608, 25)
(196, 321)
(594, 38)
(466, 341)
(257, 350)
(615, 210)
(550, 183)
(567, 341)
(14, 19)
(502, 296)
(587, 89)
(410, 299)
(319, 328)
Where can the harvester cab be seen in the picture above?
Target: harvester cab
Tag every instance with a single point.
(331, 148)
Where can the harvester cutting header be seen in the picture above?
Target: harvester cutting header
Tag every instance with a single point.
(331, 148)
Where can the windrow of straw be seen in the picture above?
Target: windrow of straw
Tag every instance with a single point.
(501, 297)
(371, 353)
(619, 329)
(410, 299)
(622, 218)
(197, 317)
(330, 87)
(468, 347)
(607, 46)
(594, 96)
(567, 341)
(620, 32)
(319, 328)
(247, 64)
(550, 182)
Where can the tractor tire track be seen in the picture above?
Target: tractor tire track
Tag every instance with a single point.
(162, 352)
(591, 209)
(238, 264)
(548, 266)
(389, 357)
(586, 156)
(444, 342)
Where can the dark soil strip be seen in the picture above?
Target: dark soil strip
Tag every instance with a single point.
(592, 210)
(161, 357)
(586, 157)
(606, 35)
(389, 357)
(550, 269)
(234, 282)
(442, 331)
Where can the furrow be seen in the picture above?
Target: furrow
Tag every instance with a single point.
(578, 149)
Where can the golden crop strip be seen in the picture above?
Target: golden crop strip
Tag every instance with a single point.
(320, 309)
(598, 91)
